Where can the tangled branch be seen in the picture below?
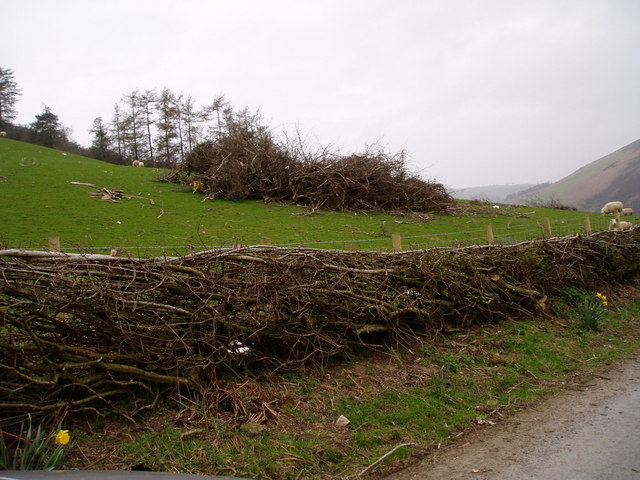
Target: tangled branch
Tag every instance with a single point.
(81, 331)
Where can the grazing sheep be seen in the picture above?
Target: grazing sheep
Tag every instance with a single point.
(3, 134)
(611, 207)
(627, 211)
(137, 163)
(623, 225)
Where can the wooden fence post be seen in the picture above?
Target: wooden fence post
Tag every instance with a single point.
(587, 223)
(618, 220)
(396, 241)
(547, 227)
(490, 238)
(191, 250)
(54, 244)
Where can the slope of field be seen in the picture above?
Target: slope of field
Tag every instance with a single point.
(38, 200)
(491, 193)
(613, 177)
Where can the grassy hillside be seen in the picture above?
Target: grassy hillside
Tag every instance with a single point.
(613, 177)
(38, 200)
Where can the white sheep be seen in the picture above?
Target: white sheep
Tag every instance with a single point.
(611, 207)
(627, 211)
(623, 225)
(3, 134)
(137, 163)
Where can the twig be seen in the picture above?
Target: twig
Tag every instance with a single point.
(385, 456)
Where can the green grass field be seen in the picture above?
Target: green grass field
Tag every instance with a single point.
(38, 201)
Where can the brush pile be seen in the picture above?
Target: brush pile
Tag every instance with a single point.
(373, 180)
(87, 331)
(109, 194)
(246, 161)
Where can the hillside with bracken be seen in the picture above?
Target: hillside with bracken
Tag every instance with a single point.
(613, 177)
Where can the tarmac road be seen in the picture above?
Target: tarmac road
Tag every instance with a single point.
(589, 433)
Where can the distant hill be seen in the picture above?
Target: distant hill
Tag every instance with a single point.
(491, 193)
(613, 177)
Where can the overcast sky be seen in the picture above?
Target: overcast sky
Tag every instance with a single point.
(478, 92)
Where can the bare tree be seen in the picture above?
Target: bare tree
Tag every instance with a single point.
(178, 106)
(192, 120)
(133, 123)
(167, 135)
(117, 128)
(147, 103)
(217, 113)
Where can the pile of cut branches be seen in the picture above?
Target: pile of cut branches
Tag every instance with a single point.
(368, 181)
(82, 331)
(109, 194)
(245, 160)
(373, 180)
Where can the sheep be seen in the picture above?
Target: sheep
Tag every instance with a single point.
(623, 225)
(627, 211)
(3, 134)
(137, 163)
(611, 207)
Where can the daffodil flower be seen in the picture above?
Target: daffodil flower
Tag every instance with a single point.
(63, 437)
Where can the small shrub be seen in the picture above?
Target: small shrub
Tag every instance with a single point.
(550, 203)
(448, 362)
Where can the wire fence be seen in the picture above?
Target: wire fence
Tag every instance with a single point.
(488, 234)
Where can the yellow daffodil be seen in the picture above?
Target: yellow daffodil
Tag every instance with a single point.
(63, 437)
(605, 303)
(601, 296)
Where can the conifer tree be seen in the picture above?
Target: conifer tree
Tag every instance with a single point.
(9, 93)
(47, 131)
(101, 144)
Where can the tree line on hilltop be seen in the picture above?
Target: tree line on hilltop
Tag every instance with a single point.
(159, 129)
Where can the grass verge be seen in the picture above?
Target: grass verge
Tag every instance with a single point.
(283, 427)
